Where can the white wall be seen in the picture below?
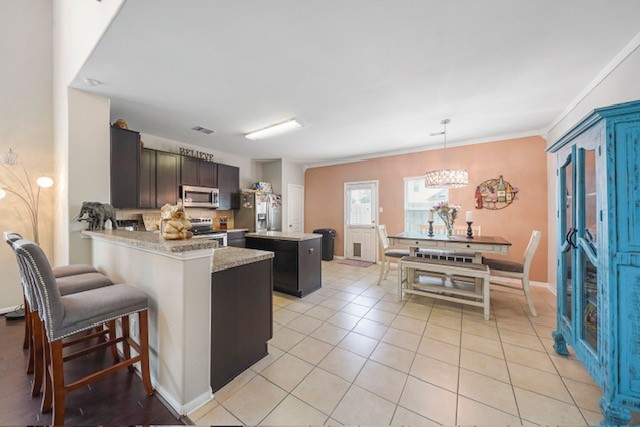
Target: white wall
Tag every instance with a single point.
(26, 125)
(77, 28)
(272, 173)
(621, 85)
(89, 164)
(292, 173)
(250, 171)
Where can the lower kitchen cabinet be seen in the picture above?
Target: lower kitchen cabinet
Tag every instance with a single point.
(296, 265)
(241, 319)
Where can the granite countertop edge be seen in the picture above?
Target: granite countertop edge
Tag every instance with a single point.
(229, 257)
(283, 235)
(151, 240)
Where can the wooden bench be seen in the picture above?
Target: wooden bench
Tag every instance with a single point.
(479, 297)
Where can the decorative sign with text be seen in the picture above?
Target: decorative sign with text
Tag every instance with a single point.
(197, 154)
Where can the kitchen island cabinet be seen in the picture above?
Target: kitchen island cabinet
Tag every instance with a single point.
(188, 283)
(241, 312)
(297, 263)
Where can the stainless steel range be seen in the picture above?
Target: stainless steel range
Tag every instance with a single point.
(202, 229)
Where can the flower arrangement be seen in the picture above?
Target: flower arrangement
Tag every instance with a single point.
(448, 213)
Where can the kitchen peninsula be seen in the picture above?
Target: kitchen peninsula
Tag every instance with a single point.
(209, 308)
(297, 264)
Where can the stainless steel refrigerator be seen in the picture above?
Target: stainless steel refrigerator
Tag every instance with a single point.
(259, 211)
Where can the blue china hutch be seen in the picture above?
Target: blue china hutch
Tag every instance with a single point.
(598, 247)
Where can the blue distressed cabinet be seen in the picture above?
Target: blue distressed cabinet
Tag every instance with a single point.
(598, 247)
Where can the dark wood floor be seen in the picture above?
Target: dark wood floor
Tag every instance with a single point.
(116, 399)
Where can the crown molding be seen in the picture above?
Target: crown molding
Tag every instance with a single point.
(608, 69)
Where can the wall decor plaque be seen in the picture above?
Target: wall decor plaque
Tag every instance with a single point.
(494, 194)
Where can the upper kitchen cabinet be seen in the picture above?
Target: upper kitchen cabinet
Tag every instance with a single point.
(147, 178)
(229, 185)
(167, 178)
(198, 172)
(125, 157)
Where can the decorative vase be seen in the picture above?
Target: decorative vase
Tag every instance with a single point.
(449, 226)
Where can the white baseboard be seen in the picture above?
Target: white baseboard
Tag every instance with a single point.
(187, 407)
(8, 309)
(338, 257)
(531, 282)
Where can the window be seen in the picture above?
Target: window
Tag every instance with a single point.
(418, 201)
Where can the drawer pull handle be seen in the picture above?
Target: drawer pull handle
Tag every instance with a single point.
(312, 250)
(468, 246)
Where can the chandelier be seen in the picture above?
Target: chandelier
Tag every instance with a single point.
(446, 178)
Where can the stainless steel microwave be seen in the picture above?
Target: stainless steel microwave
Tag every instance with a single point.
(199, 197)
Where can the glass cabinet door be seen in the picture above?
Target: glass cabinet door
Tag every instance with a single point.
(586, 283)
(566, 234)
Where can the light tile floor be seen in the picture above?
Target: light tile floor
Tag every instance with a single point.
(350, 353)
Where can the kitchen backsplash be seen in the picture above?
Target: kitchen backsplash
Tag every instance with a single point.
(136, 214)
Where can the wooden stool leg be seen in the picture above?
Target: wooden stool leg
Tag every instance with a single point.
(381, 269)
(486, 297)
(57, 374)
(38, 361)
(28, 320)
(112, 336)
(48, 386)
(101, 338)
(27, 326)
(126, 349)
(144, 346)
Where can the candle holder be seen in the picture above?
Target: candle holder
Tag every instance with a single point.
(430, 229)
(469, 230)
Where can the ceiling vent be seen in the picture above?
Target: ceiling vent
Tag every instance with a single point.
(202, 130)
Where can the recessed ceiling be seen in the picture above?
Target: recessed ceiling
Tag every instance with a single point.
(364, 76)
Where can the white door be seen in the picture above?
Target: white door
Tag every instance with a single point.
(361, 217)
(295, 208)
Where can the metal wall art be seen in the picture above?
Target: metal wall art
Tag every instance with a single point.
(495, 194)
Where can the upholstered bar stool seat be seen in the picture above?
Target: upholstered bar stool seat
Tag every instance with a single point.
(82, 282)
(72, 270)
(396, 253)
(85, 310)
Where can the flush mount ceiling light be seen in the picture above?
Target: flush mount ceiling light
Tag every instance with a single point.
(274, 129)
(446, 178)
(91, 82)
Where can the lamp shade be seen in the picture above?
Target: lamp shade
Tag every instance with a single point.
(446, 178)
(44, 182)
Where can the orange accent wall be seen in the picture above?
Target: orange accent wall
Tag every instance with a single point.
(522, 162)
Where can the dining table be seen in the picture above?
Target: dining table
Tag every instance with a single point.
(451, 248)
(472, 248)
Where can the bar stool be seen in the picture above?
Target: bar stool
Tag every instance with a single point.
(67, 315)
(70, 279)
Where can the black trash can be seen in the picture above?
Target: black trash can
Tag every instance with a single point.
(328, 237)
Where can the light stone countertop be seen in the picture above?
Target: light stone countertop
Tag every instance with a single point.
(283, 235)
(152, 240)
(229, 257)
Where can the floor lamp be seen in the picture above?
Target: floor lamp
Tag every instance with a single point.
(24, 189)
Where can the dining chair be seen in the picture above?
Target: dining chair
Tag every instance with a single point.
(388, 254)
(516, 270)
(64, 316)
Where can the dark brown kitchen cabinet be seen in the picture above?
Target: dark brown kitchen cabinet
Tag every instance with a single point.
(241, 319)
(198, 172)
(147, 178)
(167, 178)
(296, 264)
(125, 156)
(229, 185)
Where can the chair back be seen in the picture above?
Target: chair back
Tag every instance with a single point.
(458, 230)
(10, 237)
(384, 237)
(532, 247)
(42, 281)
